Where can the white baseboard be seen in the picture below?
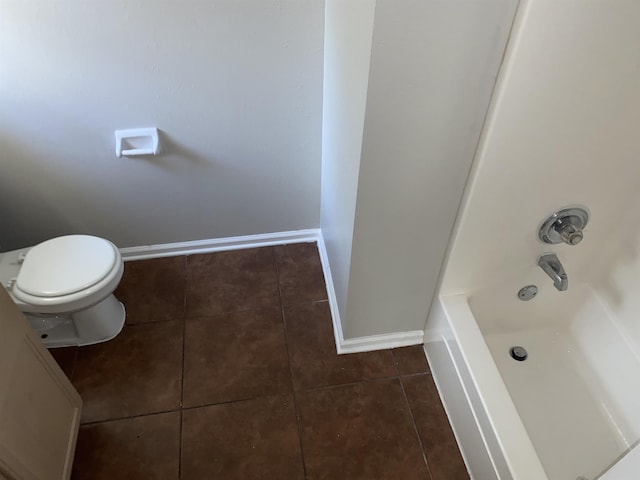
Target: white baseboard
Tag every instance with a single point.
(331, 293)
(381, 342)
(359, 344)
(218, 244)
(351, 345)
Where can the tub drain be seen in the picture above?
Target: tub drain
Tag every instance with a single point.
(518, 353)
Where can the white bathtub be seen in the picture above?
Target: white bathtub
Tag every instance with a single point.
(570, 411)
(561, 131)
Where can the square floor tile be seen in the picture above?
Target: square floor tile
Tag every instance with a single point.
(242, 440)
(359, 432)
(225, 282)
(300, 273)
(312, 350)
(153, 290)
(440, 447)
(236, 356)
(141, 448)
(65, 357)
(171, 265)
(410, 360)
(138, 372)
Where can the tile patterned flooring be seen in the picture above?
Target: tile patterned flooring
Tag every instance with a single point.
(226, 369)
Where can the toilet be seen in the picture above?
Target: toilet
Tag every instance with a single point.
(64, 287)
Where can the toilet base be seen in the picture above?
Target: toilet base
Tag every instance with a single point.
(96, 324)
(53, 330)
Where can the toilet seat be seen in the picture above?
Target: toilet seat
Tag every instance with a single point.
(65, 265)
(68, 273)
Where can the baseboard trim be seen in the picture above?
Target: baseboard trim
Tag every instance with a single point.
(218, 244)
(382, 342)
(359, 344)
(331, 293)
(352, 345)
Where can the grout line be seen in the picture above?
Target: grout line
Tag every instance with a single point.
(184, 343)
(295, 402)
(269, 395)
(293, 390)
(395, 362)
(184, 339)
(215, 316)
(184, 289)
(238, 400)
(350, 384)
(415, 428)
(414, 374)
(108, 420)
(248, 309)
(306, 302)
(151, 322)
(180, 447)
(244, 310)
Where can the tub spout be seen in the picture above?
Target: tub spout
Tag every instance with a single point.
(551, 265)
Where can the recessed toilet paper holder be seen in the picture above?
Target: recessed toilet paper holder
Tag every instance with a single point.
(137, 141)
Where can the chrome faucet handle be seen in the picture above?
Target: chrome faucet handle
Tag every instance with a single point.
(570, 234)
(565, 225)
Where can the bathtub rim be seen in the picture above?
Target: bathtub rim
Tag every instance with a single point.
(510, 433)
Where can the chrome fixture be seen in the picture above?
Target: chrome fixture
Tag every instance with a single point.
(550, 263)
(518, 353)
(527, 293)
(565, 225)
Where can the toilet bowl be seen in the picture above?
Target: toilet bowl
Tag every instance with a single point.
(64, 286)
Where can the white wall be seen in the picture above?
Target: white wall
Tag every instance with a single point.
(563, 130)
(347, 54)
(235, 86)
(433, 66)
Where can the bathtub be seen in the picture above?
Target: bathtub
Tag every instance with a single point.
(561, 131)
(570, 411)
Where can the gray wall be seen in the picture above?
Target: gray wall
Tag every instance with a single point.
(432, 68)
(347, 55)
(235, 87)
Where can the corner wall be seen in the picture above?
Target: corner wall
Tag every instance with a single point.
(432, 69)
(347, 54)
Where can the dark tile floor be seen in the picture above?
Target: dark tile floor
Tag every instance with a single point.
(226, 369)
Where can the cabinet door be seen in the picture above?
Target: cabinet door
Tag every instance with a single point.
(39, 408)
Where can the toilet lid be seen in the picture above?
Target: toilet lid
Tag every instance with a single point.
(65, 265)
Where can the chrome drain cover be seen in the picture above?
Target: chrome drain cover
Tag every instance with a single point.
(518, 353)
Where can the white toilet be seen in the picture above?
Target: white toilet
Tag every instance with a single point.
(64, 286)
